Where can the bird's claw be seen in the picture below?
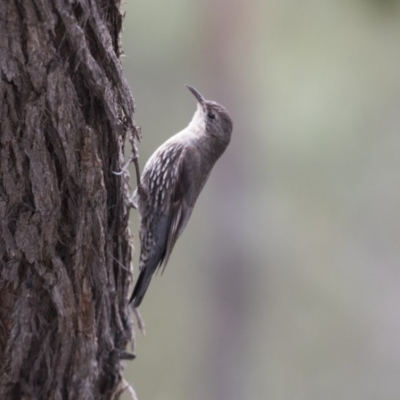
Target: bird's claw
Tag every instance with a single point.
(134, 158)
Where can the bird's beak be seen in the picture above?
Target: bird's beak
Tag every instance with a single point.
(197, 94)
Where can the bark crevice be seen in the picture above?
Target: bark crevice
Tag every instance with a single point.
(65, 112)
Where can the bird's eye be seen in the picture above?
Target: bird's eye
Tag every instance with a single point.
(211, 115)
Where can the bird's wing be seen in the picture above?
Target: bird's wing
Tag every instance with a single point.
(182, 199)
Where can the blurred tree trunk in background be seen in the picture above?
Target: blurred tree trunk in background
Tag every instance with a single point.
(225, 366)
(65, 109)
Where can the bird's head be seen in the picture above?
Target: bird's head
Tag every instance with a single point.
(211, 118)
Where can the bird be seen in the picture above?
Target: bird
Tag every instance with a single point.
(171, 182)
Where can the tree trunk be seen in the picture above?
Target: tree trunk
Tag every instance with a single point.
(65, 255)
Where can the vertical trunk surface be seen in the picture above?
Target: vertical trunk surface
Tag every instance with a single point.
(65, 109)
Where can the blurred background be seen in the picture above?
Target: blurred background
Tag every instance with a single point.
(286, 281)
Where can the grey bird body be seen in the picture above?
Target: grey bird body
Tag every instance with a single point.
(171, 182)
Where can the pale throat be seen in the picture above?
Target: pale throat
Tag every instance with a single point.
(198, 123)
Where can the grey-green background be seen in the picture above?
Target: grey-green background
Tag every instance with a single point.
(286, 282)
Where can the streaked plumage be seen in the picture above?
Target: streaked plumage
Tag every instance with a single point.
(171, 182)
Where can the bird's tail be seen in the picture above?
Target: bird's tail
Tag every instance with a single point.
(141, 286)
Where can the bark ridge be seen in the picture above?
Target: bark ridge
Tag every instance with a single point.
(65, 255)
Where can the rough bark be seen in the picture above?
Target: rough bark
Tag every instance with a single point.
(65, 110)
